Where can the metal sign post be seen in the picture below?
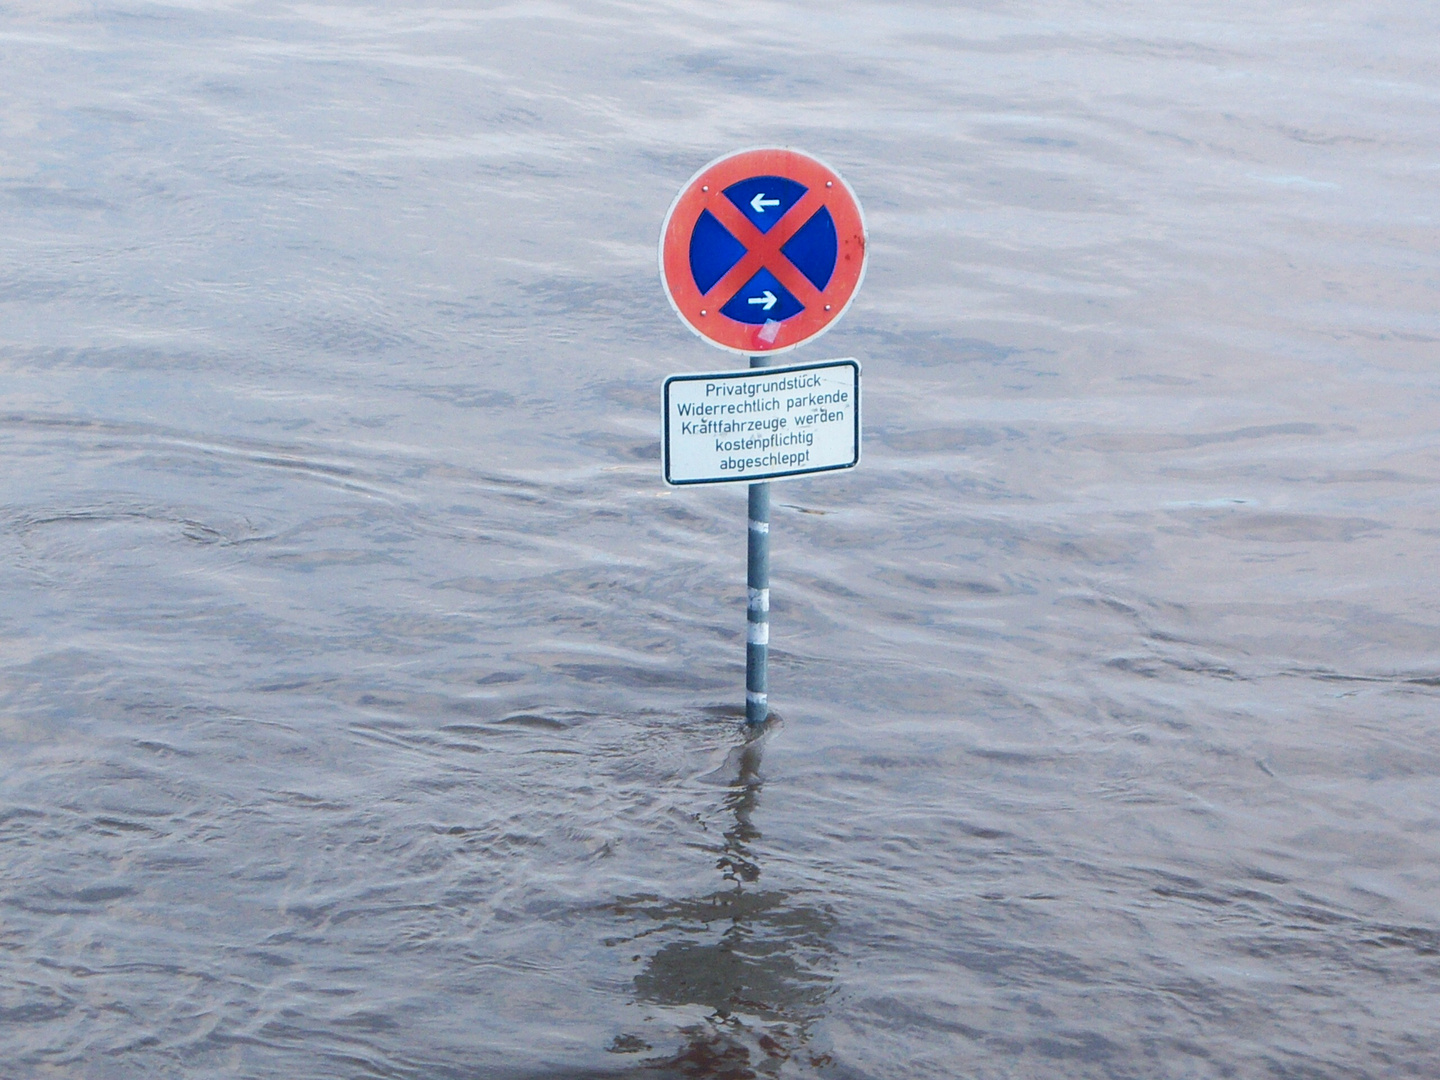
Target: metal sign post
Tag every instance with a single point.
(757, 614)
(761, 252)
(757, 618)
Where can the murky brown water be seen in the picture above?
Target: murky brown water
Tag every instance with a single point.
(368, 707)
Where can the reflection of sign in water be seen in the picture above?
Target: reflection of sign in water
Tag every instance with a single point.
(762, 250)
(743, 954)
(762, 424)
(753, 966)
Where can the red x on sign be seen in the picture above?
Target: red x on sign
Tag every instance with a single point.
(762, 250)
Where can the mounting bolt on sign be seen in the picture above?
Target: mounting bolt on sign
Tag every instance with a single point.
(762, 251)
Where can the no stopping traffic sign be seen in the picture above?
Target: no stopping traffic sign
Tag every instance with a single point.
(762, 250)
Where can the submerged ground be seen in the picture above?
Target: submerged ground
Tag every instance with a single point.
(368, 706)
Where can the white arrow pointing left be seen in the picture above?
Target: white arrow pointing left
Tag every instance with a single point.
(768, 300)
(759, 202)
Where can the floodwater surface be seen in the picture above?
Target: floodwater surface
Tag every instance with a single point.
(370, 708)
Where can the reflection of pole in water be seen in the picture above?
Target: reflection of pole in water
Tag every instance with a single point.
(747, 954)
(736, 862)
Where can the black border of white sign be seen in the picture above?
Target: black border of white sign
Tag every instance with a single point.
(774, 441)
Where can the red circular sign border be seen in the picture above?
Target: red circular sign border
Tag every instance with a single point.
(839, 292)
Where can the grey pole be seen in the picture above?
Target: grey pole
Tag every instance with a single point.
(757, 619)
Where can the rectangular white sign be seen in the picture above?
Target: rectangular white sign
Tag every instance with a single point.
(762, 423)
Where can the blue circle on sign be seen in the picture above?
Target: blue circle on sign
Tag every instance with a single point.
(714, 250)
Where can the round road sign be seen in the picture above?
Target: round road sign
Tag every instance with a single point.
(762, 250)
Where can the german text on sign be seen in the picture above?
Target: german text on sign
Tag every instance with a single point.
(762, 424)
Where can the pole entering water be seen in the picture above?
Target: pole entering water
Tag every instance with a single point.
(757, 624)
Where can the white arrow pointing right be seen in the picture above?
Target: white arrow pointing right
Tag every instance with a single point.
(768, 300)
